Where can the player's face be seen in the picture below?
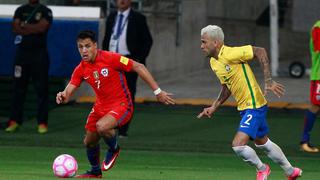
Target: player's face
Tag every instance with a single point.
(87, 49)
(123, 4)
(208, 45)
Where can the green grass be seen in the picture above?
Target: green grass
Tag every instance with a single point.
(165, 143)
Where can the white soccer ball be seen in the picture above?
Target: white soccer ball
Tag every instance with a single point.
(65, 166)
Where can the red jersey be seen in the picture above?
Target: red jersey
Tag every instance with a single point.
(106, 76)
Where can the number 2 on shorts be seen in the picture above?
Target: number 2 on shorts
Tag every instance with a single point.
(247, 122)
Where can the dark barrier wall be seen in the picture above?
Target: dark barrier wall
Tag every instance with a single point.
(63, 52)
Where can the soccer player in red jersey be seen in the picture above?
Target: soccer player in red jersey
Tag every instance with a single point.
(104, 72)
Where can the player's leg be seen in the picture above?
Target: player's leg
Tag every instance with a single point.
(107, 126)
(91, 142)
(272, 150)
(249, 155)
(247, 130)
(275, 153)
(309, 120)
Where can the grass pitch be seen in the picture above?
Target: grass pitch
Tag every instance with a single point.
(165, 143)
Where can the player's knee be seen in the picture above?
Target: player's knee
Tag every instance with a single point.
(237, 142)
(104, 130)
(88, 144)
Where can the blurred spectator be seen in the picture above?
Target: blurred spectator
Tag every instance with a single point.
(31, 23)
(127, 33)
(311, 114)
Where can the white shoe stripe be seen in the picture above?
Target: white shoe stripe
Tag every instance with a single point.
(109, 165)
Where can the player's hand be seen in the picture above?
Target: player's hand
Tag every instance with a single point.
(277, 88)
(207, 112)
(61, 97)
(165, 98)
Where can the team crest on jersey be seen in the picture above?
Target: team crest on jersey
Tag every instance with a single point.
(96, 74)
(38, 16)
(104, 72)
(227, 67)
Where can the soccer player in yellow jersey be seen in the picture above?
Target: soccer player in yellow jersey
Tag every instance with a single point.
(230, 64)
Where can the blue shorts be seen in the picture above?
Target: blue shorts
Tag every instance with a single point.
(254, 122)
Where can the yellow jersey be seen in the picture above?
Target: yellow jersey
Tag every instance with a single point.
(233, 70)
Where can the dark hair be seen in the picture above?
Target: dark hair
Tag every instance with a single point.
(87, 34)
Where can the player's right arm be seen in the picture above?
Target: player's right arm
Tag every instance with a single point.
(75, 81)
(223, 96)
(64, 96)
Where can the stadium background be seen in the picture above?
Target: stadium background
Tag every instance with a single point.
(178, 64)
(176, 59)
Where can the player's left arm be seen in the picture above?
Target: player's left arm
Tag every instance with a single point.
(277, 88)
(144, 73)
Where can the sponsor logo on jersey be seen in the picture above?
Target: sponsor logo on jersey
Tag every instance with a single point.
(124, 60)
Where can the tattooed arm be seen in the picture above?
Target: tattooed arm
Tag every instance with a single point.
(276, 88)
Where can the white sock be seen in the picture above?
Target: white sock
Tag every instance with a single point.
(275, 153)
(250, 156)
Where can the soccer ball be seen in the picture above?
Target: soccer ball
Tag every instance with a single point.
(65, 166)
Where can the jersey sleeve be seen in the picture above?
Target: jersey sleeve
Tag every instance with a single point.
(18, 13)
(120, 63)
(316, 39)
(77, 76)
(47, 14)
(240, 54)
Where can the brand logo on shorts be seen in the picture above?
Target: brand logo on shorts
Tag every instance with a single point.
(242, 126)
(104, 72)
